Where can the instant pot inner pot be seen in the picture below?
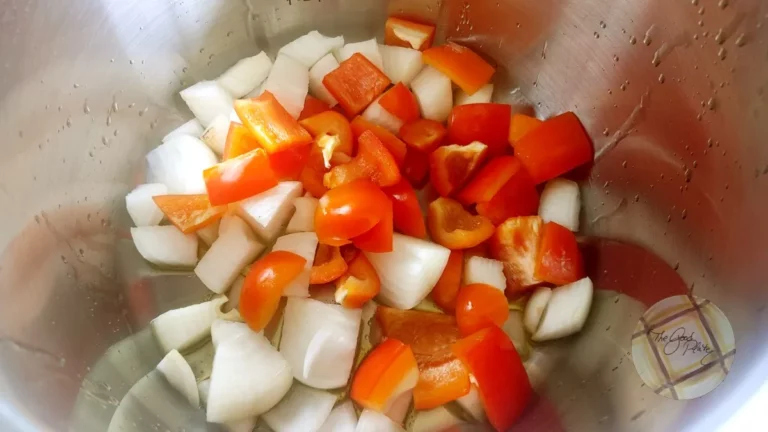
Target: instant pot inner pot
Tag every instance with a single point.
(671, 92)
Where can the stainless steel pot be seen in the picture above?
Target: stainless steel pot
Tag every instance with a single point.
(672, 93)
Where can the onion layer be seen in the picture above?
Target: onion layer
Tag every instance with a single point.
(401, 64)
(270, 210)
(141, 206)
(178, 373)
(434, 93)
(179, 164)
(192, 128)
(206, 100)
(302, 409)
(245, 75)
(304, 245)
(166, 246)
(179, 329)
(289, 82)
(311, 47)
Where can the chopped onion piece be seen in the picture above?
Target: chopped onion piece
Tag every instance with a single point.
(319, 341)
(222, 330)
(434, 93)
(483, 95)
(304, 245)
(141, 206)
(410, 271)
(566, 312)
(372, 421)
(289, 82)
(535, 308)
(215, 137)
(180, 376)
(376, 114)
(471, 402)
(316, 74)
(166, 246)
(436, 419)
(401, 64)
(342, 419)
(249, 376)
(179, 164)
(245, 75)
(302, 409)
(399, 407)
(191, 128)
(270, 210)
(561, 203)
(206, 100)
(485, 271)
(311, 47)
(514, 328)
(235, 248)
(368, 48)
(245, 425)
(209, 233)
(204, 388)
(303, 219)
(179, 329)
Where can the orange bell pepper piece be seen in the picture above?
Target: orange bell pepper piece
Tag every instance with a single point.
(447, 288)
(489, 180)
(271, 124)
(311, 176)
(409, 34)
(189, 213)
(349, 211)
(359, 284)
(559, 260)
(451, 166)
(356, 83)
(332, 129)
(462, 65)
(239, 178)
(484, 122)
(328, 266)
(479, 306)
(390, 141)
(416, 168)
(520, 125)
(264, 286)
(442, 376)
(386, 373)
(408, 218)
(500, 375)
(454, 227)
(423, 134)
(312, 107)
(239, 141)
(379, 238)
(288, 164)
(516, 244)
(373, 161)
(559, 145)
(400, 102)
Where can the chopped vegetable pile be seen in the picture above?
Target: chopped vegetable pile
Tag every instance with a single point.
(327, 198)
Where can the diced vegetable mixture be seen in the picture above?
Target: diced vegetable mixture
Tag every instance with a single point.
(420, 216)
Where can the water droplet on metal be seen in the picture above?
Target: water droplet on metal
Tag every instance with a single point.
(109, 120)
(722, 54)
(661, 79)
(700, 23)
(632, 40)
(130, 61)
(143, 111)
(655, 61)
(597, 35)
(711, 104)
(722, 4)
(695, 164)
(615, 58)
(115, 108)
(710, 142)
(116, 132)
(688, 175)
(605, 132)
(669, 218)
(637, 198)
(701, 10)
(64, 259)
(86, 108)
(624, 164)
(741, 40)
(602, 24)
(720, 37)
(69, 121)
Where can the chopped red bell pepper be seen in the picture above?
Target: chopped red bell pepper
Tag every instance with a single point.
(311, 176)
(462, 65)
(348, 211)
(359, 284)
(451, 166)
(239, 178)
(328, 266)
(479, 306)
(501, 378)
(379, 238)
(423, 134)
(400, 102)
(520, 125)
(356, 83)
(408, 218)
(271, 125)
(312, 107)
(188, 213)
(558, 260)
(489, 180)
(239, 141)
(559, 145)
(484, 122)
(455, 228)
(416, 168)
(373, 161)
(409, 34)
(447, 288)
(516, 244)
(385, 373)
(332, 134)
(288, 164)
(390, 141)
(442, 377)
